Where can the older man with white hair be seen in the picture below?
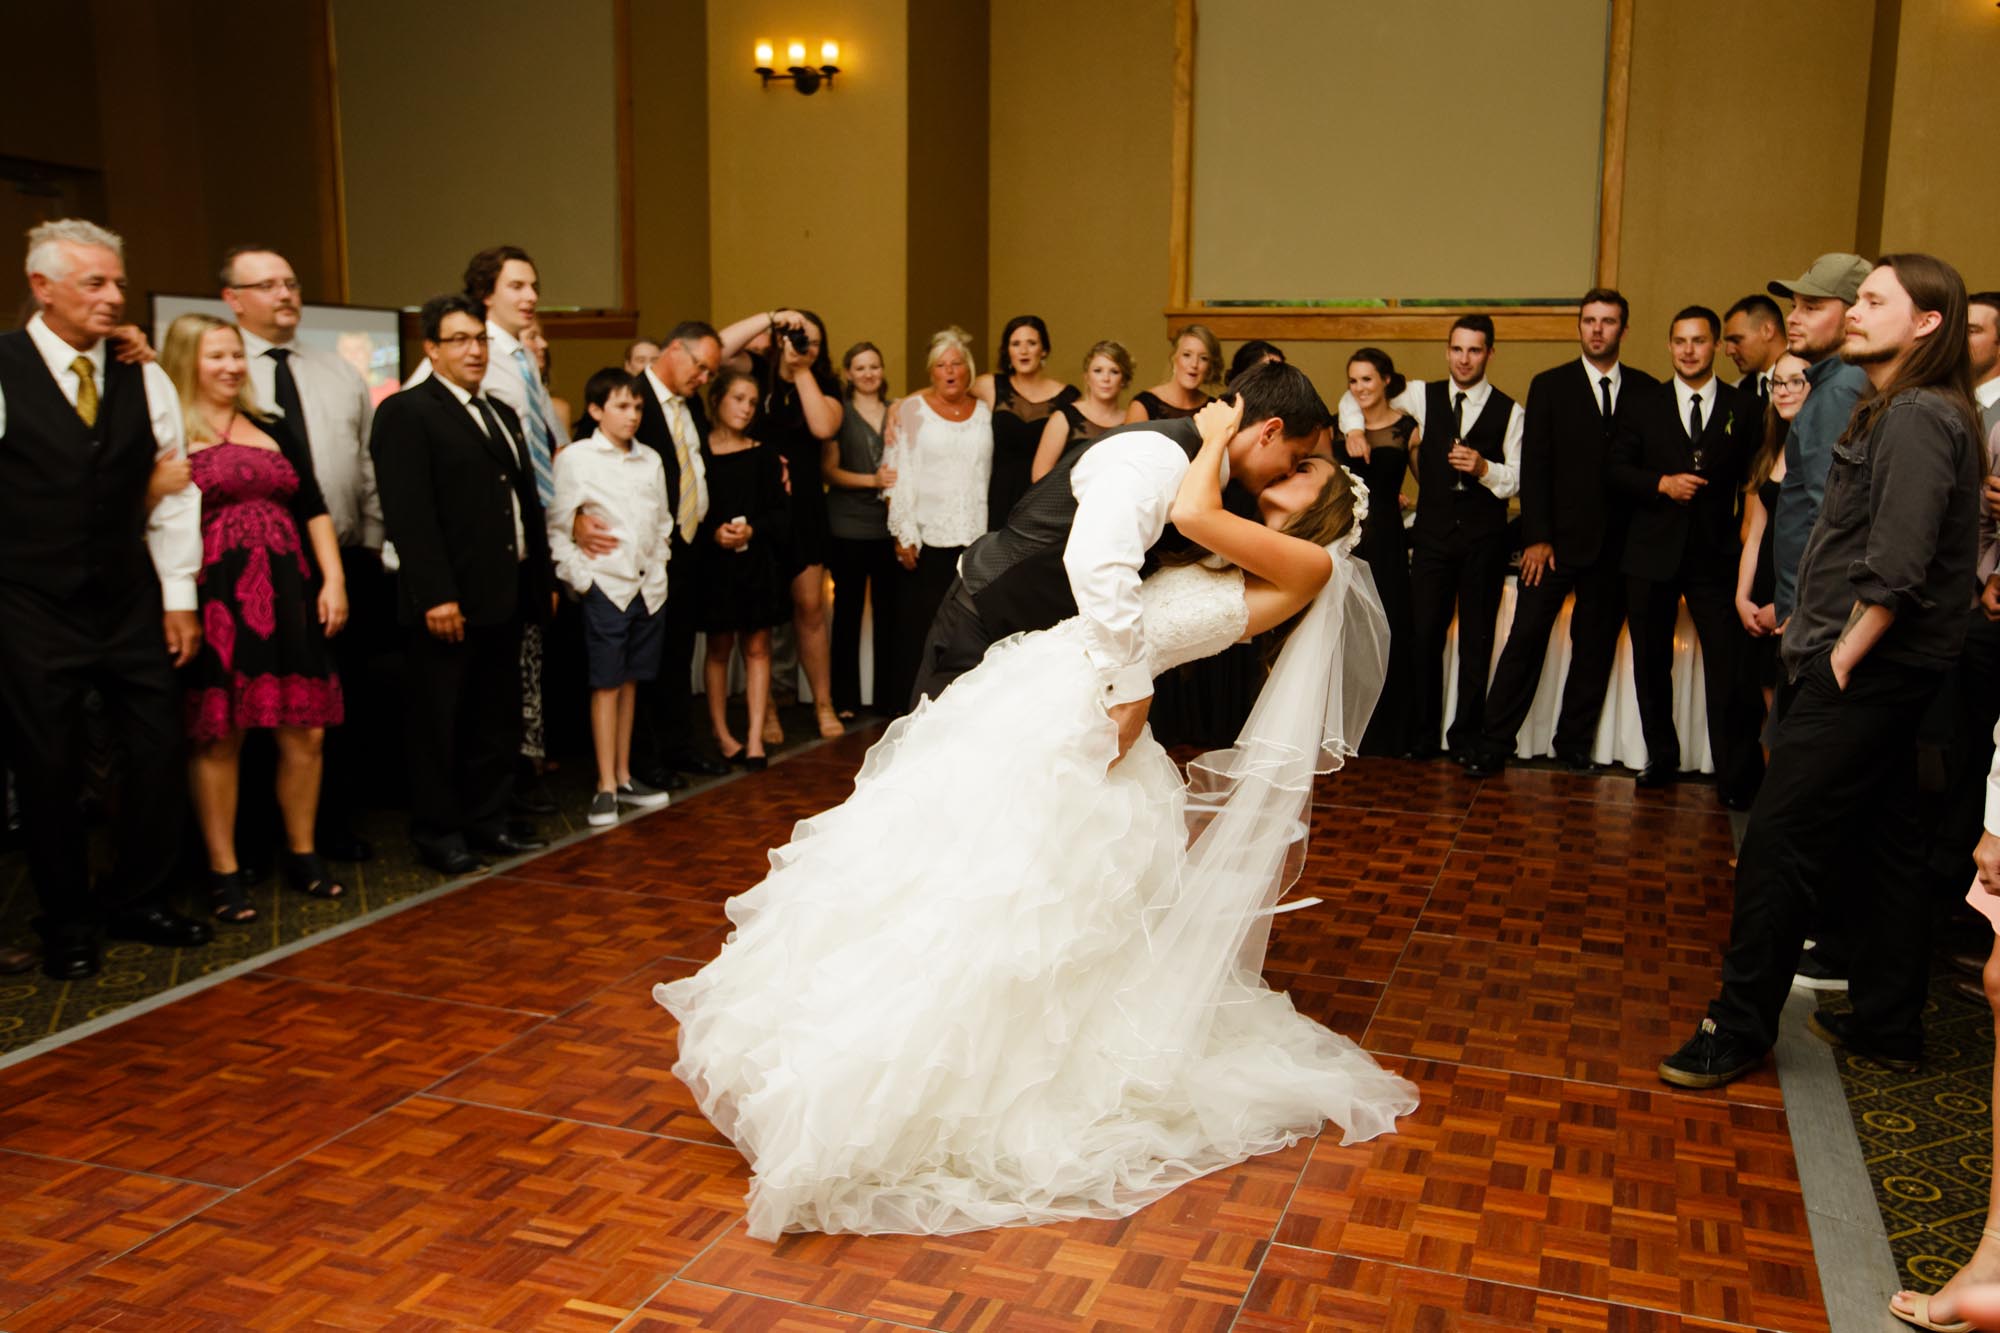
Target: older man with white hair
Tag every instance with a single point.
(100, 543)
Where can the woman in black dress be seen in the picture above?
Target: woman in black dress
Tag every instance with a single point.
(1107, 369)
(1756, 580)
(801, 411)
(742, 562)
(1191, 377)
(1382, 460)
(1023, 400)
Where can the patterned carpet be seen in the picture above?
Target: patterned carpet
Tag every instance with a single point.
(1928, 1136)
(33, 1007)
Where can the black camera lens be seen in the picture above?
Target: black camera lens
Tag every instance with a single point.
(799, 340)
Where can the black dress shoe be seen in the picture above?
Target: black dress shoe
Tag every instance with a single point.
(1734, 800)
(699, 766)
(505, 844)
(662, 779)
(1423, 753)
(159, 926)
(1576, 761)
(450, 860)
(13, 961)
(1488, 764)
(71, 961)
(1711, 1058)
(341, 845)
(1657, 775)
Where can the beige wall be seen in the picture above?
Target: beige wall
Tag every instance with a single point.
(1081, 102)
(806, 194)
(1941, 191)
(451, 145)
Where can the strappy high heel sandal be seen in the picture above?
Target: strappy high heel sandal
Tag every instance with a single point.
(307, 873)
(1919, 1315)
(829, 722)
(229, 897)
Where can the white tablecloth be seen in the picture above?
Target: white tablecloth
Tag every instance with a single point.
(1619, 739)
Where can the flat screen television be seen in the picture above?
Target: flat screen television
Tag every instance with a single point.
(367, 338)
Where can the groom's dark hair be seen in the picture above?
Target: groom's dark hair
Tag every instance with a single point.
(1276, 389)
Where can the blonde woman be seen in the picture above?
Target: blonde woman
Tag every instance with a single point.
(1193, 375)
(942, 452)
(272, 592)
(1107, 370)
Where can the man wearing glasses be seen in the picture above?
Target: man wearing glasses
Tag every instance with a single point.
(327, 402)
(458, 496)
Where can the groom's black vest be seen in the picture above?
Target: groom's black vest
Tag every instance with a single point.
(1015, 574)
(1474, 511)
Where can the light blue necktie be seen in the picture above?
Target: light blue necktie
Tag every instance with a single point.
(539, 452)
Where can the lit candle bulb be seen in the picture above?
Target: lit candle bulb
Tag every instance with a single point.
(763, 55)
(797, 53)
(829, 53)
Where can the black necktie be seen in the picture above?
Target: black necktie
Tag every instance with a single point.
(486, 415)
(1458, 420)
(1694, 419)
(1604, 391)
(287, 392)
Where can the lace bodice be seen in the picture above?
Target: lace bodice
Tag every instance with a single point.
(1190, 612)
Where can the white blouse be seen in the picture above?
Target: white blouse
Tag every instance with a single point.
(942, 469)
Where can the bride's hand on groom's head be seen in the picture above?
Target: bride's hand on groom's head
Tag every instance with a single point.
(1220, 417)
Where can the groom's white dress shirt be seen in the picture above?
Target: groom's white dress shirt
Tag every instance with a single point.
(1124, 488)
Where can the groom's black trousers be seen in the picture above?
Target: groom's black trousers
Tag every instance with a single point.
(957, 640)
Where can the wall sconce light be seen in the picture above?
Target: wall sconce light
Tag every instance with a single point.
(805, 78)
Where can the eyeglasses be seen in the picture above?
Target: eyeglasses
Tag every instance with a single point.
(269, 285)
(458, 340)
(1789, 384)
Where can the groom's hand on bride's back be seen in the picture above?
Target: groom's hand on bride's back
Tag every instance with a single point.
(1130, 719)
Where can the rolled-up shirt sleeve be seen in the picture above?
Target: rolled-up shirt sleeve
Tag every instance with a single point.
(1910, 487)
(1124, 489)
(1504, 478)
(173, 530)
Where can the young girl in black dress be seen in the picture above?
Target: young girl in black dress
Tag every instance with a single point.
(741, 562)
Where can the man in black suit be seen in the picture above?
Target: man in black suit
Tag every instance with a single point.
(1753, 333)
(458, 498)
(673, 425)
(1575, 532)
(1681, 470)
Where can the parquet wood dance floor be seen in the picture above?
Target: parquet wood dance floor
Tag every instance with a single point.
(463, 1116)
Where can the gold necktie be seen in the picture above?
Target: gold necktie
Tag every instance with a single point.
(86, 390)
(687, 514)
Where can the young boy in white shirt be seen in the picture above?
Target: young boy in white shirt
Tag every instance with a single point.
(623, 592)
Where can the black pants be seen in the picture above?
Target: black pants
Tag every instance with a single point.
(1842, 787)
(1961, 816)
(53, 653)
(956, 640)
(1460, 572)
(346, 778)
(1593, 641)
(1654, 608)
(930, 597)
(864, 573)
(662, 727)
(464, 732)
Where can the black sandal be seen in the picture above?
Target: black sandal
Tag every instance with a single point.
(307, 873)
(229, 894)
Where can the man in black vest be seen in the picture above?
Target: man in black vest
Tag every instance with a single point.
(1574, 527)
(89, 576)
(1468, 461)
(1081, 538)
(458, 498)
(1681, 469)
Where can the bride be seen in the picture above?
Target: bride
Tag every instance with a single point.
(1014, 979)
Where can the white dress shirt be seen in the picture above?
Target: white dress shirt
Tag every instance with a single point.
(626, 489)
(675, 409)
(1124, 488)
(1685, 395)
(942, 471)
(1502, 478)
(173, 531)
(1617, 374)
(514, 447)
(339, 414)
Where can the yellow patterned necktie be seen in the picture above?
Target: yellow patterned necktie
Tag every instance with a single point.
(86, 390)
(688, 512)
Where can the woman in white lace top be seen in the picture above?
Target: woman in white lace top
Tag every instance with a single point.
(941, 445)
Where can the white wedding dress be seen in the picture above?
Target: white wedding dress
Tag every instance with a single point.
(981, 992)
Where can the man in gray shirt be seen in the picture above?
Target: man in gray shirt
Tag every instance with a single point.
(1882, 595)
(1820, 299)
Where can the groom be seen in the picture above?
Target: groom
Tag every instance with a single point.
(1080, 540)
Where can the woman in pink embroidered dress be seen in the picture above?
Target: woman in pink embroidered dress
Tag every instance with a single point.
(268, 606)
